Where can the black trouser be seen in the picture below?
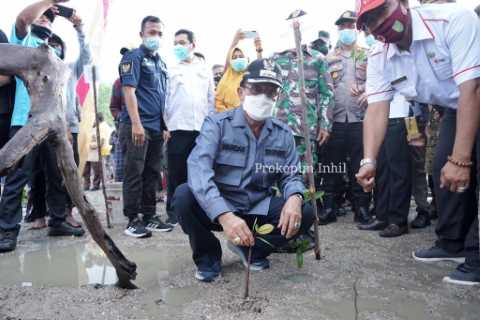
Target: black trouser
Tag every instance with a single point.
(457, 226)
(419, 178)
(96, 167)
(179, 146)
(76, 156)
(345, 143)
(142, 166)
(4, 128)
(394, 177)
(206, 247)
(42, 157)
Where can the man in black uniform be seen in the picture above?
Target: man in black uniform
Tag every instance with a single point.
(7, 90)
(143, 76)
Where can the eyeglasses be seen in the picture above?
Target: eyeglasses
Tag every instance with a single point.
(270, 90)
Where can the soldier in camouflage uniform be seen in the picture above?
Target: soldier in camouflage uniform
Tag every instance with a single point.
(318, 89)
(347, 65)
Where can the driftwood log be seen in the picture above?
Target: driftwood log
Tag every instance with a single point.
(45, 77)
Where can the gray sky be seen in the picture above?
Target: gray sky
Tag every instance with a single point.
(213, 22)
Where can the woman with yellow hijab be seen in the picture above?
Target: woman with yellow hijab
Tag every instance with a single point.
(226, 97)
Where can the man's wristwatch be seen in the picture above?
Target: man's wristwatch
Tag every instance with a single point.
(366, 161)
(299, 195)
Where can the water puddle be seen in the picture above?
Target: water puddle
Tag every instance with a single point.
(46, 263)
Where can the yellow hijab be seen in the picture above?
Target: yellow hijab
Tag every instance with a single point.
(226, 97)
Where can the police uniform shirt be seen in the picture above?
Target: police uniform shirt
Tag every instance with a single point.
(229, 170)
(147, 73)
(445, 53)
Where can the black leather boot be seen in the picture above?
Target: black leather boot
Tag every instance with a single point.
(327, 212)
(362, 213)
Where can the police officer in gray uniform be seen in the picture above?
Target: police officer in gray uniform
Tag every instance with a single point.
(239, 156)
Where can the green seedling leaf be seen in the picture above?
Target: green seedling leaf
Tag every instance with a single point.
(299, 259)
(265, 241)
(265, 229)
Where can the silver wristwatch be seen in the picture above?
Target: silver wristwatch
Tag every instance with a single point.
(366, 161)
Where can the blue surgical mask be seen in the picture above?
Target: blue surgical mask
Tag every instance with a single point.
(152, 43)
(181, 52)
(370, 40)
(347, 36)
(239, 64)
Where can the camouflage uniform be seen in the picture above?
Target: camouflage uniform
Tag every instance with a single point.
(318, 89)
(432, 131)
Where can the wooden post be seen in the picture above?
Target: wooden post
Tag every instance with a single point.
(306, 134)
(108, 207)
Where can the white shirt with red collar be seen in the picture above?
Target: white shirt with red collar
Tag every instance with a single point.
(445, 53)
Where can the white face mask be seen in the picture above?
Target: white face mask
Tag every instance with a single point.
(259, 107)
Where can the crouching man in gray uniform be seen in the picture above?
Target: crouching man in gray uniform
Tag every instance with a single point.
(239, 156)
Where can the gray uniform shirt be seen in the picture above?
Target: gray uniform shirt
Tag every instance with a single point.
(229, 170)
(76, 69)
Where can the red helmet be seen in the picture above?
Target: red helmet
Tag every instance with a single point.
(363, 6)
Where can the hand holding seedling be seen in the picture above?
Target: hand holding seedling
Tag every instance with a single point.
(234, 228)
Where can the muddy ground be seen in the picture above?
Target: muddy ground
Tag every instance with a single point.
(360, 276)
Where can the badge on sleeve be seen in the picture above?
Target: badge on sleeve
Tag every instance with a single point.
(126, 68)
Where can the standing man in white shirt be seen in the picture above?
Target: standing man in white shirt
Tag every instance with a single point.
(190, 98)
(431, 56)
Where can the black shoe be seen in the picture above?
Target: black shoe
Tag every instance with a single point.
(96, 188)
(136, 229)
(172, 221)
(362, 216)
(8, 240)
(464, 276)
(155, 224)
(208, 273)
(65, 230)
(376, 225)
(436, 254)
(341, 212)
(291, 245)
(255, 264)
(86, 188)
(327, 212)
(421, 221)
(393, 230)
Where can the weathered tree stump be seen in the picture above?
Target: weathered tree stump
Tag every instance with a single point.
(45, 77)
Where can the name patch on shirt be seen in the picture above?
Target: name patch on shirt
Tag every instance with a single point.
(233, 147)
(275, 152)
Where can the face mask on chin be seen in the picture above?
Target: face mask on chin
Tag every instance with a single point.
(259, 107)
(393, 29)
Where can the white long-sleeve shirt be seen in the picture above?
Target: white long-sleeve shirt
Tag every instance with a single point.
(190, 95)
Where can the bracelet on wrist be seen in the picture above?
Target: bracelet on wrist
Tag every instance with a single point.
(367, 161)
(458, 163)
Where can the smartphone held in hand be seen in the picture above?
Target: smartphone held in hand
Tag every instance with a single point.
(65, 11)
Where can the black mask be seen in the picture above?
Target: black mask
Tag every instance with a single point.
(41, 32)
